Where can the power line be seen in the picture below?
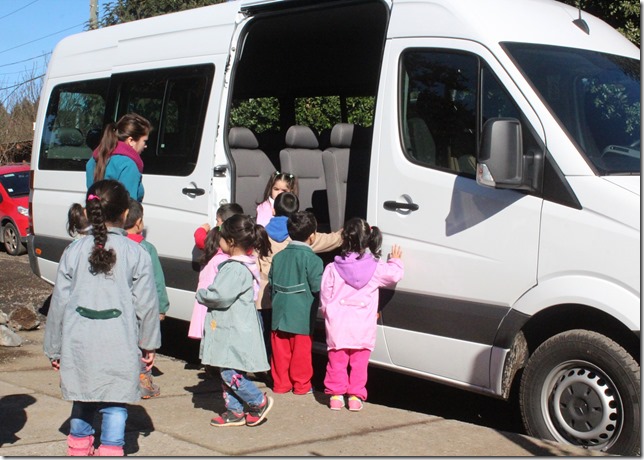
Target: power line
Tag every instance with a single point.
(25, 60)
(37, 39)
(21, 8)
(22, 83)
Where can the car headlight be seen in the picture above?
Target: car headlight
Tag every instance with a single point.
(24, 211)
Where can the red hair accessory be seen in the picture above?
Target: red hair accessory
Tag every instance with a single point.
(93, 197)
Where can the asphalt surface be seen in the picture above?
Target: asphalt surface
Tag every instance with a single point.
(34, 418)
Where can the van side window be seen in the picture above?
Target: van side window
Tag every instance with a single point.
(74, 124)
(441, 113)
(175, 101)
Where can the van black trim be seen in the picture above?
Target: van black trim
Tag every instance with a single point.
(179, 274)
(458, 319)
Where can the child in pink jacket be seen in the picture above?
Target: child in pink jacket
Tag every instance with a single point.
(349, 303)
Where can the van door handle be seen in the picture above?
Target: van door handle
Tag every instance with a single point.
(219, 171)
(395, 205)
(193, 191)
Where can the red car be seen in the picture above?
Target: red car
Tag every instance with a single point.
(14, 207)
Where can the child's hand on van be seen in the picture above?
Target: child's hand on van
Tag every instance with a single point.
(396, 252)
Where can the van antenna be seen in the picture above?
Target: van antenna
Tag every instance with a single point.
(579, 22)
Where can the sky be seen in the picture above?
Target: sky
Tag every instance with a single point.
(29, 31)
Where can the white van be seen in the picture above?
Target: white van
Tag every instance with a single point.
(501, 151)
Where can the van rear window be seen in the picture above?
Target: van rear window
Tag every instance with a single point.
(73, 124)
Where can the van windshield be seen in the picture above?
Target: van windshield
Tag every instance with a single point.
(594, 96)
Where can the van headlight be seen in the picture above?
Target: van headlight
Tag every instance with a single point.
(24, 211)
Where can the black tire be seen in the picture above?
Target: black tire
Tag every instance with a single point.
(581, 388)
(12, 243)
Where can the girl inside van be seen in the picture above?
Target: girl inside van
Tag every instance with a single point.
(279, 182)
(118, 156)
(212, 257)
(349, 303)
(233, 339)
(96, 335)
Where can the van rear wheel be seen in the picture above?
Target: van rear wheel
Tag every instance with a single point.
(581, 388)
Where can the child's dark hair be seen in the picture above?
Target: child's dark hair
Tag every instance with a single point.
(241, 230)
(301, 225)
(77, 223)
(289, 178)
(357, 236)
(135, 213)
(286, 203)
(106, 202)
(211, 245)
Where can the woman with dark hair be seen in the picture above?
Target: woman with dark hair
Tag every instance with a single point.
(118, 156)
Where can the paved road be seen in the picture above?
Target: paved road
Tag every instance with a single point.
(434, 421)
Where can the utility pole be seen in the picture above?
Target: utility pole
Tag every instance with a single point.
(93, 14)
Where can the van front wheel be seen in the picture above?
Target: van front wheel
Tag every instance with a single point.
(581, 388)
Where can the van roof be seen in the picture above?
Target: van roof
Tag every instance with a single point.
(200, 34)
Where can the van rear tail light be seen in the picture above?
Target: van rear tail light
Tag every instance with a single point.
(31, 197)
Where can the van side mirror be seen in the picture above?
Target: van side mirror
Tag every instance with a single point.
(502, 162)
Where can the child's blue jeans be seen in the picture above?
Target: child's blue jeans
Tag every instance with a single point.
(112, 427)
(239, 390)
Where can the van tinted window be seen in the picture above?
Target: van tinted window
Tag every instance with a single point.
(443, 107)
(175, 101)
(73, 125)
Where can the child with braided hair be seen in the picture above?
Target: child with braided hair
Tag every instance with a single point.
(103, 321)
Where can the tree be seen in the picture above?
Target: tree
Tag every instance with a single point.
(623, 15)
(130, 10)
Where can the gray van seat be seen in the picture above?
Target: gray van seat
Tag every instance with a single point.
(253, 168)
(335, 160)
(302, 157)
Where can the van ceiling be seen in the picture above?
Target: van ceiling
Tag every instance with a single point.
(332, 48)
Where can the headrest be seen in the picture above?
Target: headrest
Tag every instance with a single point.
(70, 136)
(301, 137)
(242, 138)
(341, 135)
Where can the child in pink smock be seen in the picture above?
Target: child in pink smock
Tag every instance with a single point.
(212, 257)
(349, 303)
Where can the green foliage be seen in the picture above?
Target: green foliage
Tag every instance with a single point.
(258, 114)
(121, 11)
(623, 15)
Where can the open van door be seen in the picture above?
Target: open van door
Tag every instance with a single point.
(474, 249)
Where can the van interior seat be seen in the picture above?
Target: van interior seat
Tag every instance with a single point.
(303, 158)
(335, 160)
(69, 137)
(253, 168)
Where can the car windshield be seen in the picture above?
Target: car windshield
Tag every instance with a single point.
(594, 96)
(16, 184)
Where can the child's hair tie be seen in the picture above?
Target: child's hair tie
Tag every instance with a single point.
(93, 197)
(99, 246)
(249, 251)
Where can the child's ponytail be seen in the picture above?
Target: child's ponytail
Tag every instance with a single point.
(104, 150)
(107, 201)
(375, 241)
(76, 220)
(262, 244)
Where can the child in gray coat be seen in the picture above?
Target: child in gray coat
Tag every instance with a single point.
(103, 320)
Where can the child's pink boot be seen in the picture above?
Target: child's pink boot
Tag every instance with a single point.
(80, 447)
(109, 451)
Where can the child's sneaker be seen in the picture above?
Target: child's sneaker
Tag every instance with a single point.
(229, 418)
(355, 403)
(256, 414)
(148, 388)
(336, 402)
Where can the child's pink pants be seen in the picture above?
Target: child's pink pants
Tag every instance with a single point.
(339, 380)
